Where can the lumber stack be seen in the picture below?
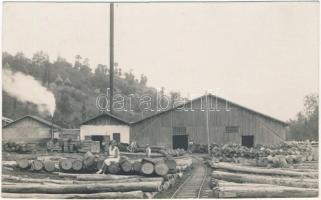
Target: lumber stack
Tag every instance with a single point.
(235, 181)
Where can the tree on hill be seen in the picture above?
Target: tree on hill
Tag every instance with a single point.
(75, 100)
(305, 126)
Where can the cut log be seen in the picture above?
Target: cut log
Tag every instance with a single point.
(8, 168)
(161, 169)
(263, 171)
(9, 163)
(126, 166)
(31, 180)
(67, 175)
(137, 166)
(114, 168)
(49, 165)
(171, 164)
(262, 191)
(65, 164)
(147, 168)
(89, 161)
(82, 188)
(106, 195)
(77, 165)
(100, 177)
(23, 163)
(36, 165)
(96, 177)
(250, 178)
(128, 180)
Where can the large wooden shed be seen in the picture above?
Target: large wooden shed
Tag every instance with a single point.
(208, 118)
(29, 129)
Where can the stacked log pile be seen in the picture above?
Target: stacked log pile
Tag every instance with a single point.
(105, 187)
(74, 177)
(280, 155)
(17, 147)
(90, 163)
(154, 176)
(86, 186)
(233, 180)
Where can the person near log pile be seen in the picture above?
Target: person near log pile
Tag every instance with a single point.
(113, 156)
(148, 151)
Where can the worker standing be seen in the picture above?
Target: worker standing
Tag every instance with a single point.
(113, 156)
(148, 151)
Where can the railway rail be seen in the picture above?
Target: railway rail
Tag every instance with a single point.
(195, 186)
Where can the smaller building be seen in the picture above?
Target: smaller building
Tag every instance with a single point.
(29, 129)
(6, 121)
(105, 127)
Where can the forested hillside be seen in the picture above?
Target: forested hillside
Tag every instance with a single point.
(76, 87)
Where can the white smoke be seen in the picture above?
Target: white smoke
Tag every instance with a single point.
(26, 89)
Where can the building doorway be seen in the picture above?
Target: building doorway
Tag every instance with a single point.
(99, 138)
(248, 141)
(180, 141)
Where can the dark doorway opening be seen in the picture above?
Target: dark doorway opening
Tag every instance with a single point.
(99, 138)
(116, 137)
(180, 141)
(248, 141)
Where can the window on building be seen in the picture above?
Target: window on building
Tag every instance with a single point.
(248, 141)
(179, 130)
(116, 137)
(232, 129)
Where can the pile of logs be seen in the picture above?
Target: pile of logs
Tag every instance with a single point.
(302, 150)
(17, 147)
(106, 186)
(170, 152)
(233, 180)
(90, 163)
(134, 179)
(71, 185)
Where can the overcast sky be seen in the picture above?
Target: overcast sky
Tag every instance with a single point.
(260, 55)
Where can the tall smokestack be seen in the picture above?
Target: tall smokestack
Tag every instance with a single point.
(111, 56)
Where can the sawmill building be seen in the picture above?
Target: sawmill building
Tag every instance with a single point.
(218, 121)
(29, 129)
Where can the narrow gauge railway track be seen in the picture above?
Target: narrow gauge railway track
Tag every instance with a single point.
(195, 186)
